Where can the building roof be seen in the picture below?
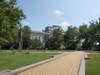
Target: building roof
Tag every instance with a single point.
(39, 32)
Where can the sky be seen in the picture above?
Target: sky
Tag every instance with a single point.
(42, 13)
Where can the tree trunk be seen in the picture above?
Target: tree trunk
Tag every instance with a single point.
(20, 40)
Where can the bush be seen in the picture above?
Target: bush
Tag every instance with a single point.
(27, 52)
(13, 52)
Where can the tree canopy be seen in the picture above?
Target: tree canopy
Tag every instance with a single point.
(87, 36)
(26, 32)
(10, 20)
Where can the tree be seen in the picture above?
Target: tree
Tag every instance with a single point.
(83, 31)
(95, 33)
(26, 37)
(84, 36)
(54, 37)
(10, 17)
(70, 38)
(35, 43)
(47, 40)
(57, 37)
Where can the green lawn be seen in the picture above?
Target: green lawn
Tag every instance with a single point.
(93, 65)
(12, 61)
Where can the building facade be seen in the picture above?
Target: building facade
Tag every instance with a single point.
(40, 35)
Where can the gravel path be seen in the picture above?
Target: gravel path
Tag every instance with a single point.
(69, 64)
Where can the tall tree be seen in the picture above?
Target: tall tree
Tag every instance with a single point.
(54, 37)
(26, 32)
(84, 36)
(10, 17)
(70, 38)
(57, 37)
(47, 40)
(95, 33)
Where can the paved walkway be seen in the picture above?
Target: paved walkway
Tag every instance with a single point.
(69, 64)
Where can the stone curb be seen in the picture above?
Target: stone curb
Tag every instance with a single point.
(14, 72)
(82, 66)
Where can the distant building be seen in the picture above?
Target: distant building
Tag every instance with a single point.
(39, 35)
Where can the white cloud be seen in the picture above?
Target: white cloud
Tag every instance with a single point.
(65, 24)
(26, 23)
(58, 13)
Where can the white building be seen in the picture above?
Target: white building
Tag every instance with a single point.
(38, 35)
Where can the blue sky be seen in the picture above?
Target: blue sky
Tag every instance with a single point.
(42, 13)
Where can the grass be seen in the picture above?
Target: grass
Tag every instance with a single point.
(10, 60)
(93, 65)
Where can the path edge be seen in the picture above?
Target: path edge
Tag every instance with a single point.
(82, 66)
(16, 71)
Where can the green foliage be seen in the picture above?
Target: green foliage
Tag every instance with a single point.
(70, 38)
(27, 52)
(84, 36)
(95, 33)
(89, 35)
(13, 52)
(26, 37)
(47, 41)
(83, 31)
(35, 44)
(57, 38)
(10, 17)
(54, 39)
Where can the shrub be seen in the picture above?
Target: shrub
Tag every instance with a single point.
(13, 52)
(27, 52)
